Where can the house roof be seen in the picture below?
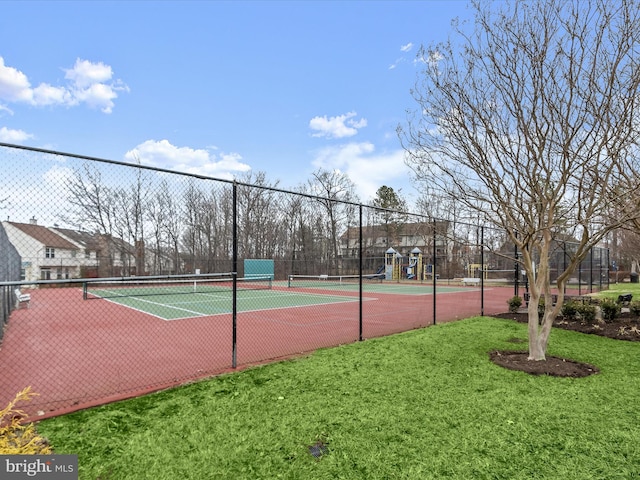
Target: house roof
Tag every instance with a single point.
(43, 235)
(404, 229)
(86, 239)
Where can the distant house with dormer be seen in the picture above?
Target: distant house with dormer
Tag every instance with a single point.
(402, 237)
(377, 239)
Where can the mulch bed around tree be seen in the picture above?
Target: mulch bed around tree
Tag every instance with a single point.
(625, 327)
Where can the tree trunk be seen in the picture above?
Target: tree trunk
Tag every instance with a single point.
(536, 346)
(539, 331)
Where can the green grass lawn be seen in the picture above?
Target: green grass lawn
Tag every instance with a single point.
(616, 289)
(426, 404)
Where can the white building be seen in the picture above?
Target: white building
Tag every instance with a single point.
(46, 255)
(54, 253)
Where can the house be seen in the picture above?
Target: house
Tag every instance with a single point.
(88, 257)
(46, 255)
(54, 253)
(403, 238)
(377, 239)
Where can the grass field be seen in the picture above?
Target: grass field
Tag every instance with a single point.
(616, 289)
(427, 404)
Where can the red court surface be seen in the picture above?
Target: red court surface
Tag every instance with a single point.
(76, 354)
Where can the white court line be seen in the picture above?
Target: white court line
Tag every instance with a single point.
(218, 298)
(352, 300)
(166, 305)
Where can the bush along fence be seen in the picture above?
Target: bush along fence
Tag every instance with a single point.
(135, 279)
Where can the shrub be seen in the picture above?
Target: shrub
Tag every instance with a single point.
(17, 438)
(610, 309)
(587, 312)
(515, 303)
(570, 309)
(634, 308)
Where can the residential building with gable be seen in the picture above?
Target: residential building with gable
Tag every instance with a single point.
(45, 254)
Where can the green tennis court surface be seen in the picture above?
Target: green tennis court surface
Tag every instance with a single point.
(350, 283)
(181, 298)
(188, 305)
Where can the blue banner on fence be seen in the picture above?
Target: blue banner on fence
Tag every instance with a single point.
(49, 467)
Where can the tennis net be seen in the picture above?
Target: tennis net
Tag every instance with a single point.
(321, 281)
(171, 285)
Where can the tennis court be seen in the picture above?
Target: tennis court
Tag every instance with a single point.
(179, 299)
(180, 306)
(370, 284)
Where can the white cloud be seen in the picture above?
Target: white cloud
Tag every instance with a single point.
(13, 136)
(162, 154)
(45, 94)
(404, 49)
(89, 83)
(337, 127)
(98, 95)
(41, 194)
(368, 170)
(84, 73)
(407, 47)
(56, 178)
(14, 85)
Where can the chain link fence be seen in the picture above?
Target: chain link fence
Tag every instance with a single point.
(9, 272)
(140, 279)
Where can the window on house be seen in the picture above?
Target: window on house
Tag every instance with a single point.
(50, 252)
(45, 274)
(87, 254)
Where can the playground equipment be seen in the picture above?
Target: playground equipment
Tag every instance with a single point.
(473, 268)
(414, 270)
(393, 266)
(396, 268)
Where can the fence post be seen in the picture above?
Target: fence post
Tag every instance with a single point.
(433, 270)
(360, 251)
(482, 271)
(564, 260)
(591, 270)
(234, 256)
(516, 268)
(607, 270)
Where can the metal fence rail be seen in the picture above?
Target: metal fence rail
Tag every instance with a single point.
(74, 221)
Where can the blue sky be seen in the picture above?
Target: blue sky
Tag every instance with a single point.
(220, 88)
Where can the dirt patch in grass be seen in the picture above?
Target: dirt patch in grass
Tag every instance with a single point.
(626, 327)
(553, 366)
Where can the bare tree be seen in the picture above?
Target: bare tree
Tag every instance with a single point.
(92, 207)
(335, 190)
(165, 218)
(529, 120)
(258, 215)
(131, 204)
